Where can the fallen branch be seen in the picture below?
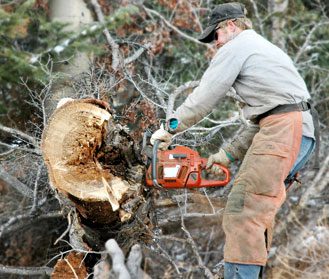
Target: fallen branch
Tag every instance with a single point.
(19, 134)
(15, 183)
(118, 259)
(27, 271)
(5, 228)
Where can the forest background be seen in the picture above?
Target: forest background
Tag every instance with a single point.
(142, 57)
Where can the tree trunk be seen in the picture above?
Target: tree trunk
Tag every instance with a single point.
(90, 162)
(76, 15)
(278, 8)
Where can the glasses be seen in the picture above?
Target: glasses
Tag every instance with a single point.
(219, 27)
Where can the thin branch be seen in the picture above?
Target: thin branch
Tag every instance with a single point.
(193, 245)
(20, 134)
(308, 40)
(116, 55)
(15, 183)
(174, 28)
(158, 91)
(13, 148)
(5, 228)
(35, 191)
(137, 54)
(71, 267)
(178, 91)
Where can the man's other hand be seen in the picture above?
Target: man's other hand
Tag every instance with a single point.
(219, 158)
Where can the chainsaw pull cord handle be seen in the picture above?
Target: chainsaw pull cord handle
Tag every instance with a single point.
(154, 164)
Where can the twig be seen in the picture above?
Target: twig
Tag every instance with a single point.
(307, 40)
(35, 191)
(319, 183)
(192, 243)
(190, 240)
(74, 273)
(69, 224)
(158, 90)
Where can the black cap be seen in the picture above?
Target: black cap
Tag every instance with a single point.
(220, 13)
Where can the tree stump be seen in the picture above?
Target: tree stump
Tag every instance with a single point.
(78, 149)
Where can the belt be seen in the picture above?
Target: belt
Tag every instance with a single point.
(302, 106)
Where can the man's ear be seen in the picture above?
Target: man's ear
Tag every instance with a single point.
(231, 25)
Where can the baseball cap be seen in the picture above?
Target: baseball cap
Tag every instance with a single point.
(220, 13)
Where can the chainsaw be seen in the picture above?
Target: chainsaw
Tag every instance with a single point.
(180, 167)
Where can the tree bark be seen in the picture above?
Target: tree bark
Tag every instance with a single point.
(278, 8)
(76, 15)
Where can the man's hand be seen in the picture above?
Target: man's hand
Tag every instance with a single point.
(162, 135)
(219, 158)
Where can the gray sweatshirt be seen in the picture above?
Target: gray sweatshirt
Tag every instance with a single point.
(262, 75)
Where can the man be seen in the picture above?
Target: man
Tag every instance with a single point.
(273, 95)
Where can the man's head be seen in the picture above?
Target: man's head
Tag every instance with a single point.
(225, 15)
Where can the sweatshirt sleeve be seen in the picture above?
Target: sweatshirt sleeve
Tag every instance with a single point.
(215, 82)
(241, 142)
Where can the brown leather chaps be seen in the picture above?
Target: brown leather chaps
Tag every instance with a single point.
(259, 189)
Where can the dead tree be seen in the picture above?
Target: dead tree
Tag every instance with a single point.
(93, 166)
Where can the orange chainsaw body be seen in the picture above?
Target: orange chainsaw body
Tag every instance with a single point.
(182, 167)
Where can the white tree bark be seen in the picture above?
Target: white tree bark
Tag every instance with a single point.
(278, 8)
(76, 14)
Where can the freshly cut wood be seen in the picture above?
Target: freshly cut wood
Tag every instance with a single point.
(71, 145)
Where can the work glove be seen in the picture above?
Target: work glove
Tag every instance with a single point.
(219, 158)
(162, 135)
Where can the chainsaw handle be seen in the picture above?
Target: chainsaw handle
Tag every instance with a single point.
(154, 164)
(213, 183)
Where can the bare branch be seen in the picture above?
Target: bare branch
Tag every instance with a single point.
(35, 191)
(178, 91)
(27, 271)
(307, 41)
(259, 20)
(15, 183)
(118, 259)
(13, 148)
(190, 240)
(116, 55)
(137, 54)
(5, 228)
(174, 28)
(19, 134)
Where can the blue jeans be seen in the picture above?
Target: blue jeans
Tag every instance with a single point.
(249, 271)
(306, 148)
